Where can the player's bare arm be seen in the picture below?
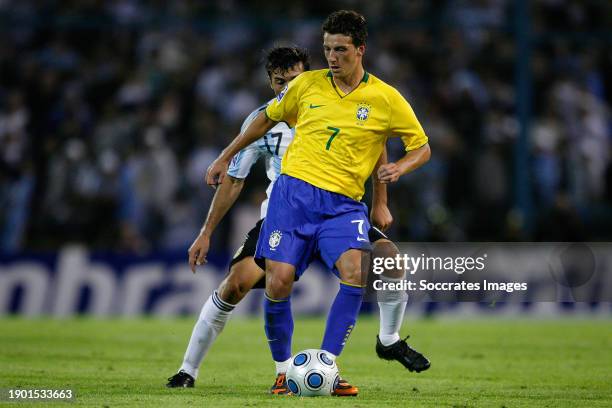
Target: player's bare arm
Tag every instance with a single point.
(217, 170)
(224, 199)
(380, 216)
(412, 160)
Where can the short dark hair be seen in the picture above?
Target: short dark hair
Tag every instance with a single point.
(284, 58)
(349, 23)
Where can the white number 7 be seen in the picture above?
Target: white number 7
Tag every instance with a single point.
(359, 225)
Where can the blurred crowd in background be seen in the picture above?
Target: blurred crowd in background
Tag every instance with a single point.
(111, 111)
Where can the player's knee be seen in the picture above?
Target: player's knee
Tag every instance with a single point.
(278, 283)
(232, 292)
(386, 249)
(243, 275)
(353, 276)
(278, 287)
(228, 292)
(350, 269)
(233, 289)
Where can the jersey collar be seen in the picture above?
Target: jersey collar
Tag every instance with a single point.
(341, 94)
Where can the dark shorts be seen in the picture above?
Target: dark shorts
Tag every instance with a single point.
(247, 249)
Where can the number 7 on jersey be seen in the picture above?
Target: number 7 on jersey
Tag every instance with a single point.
(331, 138)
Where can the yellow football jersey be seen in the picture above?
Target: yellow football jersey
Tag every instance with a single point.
(339, 137)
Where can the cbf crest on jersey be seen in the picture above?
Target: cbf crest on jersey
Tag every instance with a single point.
(363, 112)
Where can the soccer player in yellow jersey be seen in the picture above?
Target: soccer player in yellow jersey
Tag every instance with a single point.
(342, 118)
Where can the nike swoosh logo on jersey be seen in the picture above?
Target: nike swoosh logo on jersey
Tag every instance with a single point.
(315, 106)
(362, 239)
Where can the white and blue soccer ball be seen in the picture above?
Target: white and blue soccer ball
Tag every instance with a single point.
(311, 373)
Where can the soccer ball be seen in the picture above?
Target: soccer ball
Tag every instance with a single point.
(311, 373)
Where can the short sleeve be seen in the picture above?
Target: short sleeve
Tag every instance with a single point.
(404, 123)
(285, 107)
(241, 163)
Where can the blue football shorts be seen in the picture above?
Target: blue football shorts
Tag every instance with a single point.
(304, 221)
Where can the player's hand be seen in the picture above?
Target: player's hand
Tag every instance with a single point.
(216, 172)
(388, 173)
(198, 251)
(381, 217)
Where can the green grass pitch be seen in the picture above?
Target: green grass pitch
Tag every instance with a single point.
(477, 362)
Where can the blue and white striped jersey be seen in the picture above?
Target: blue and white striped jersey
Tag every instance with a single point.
(271, 146)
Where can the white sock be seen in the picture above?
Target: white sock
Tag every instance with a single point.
(392, 305)
(215, 313)
(391, 317)
(282, 366)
